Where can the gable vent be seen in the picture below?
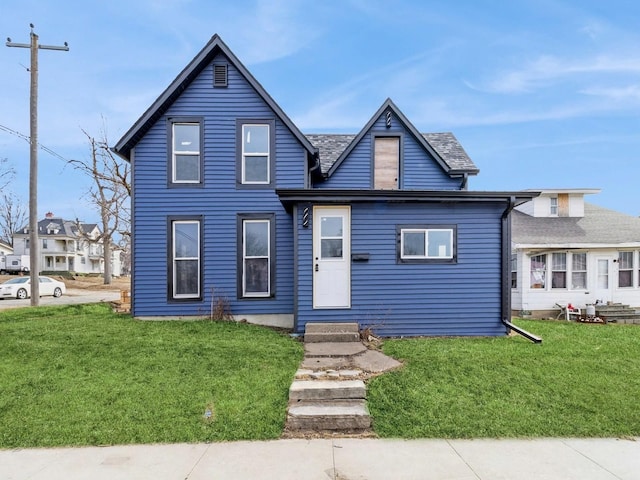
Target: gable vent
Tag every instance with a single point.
(219, 75)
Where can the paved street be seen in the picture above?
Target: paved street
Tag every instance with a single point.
(73, 296)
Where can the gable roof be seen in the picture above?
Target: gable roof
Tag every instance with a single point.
(182, 81)
(449, 147)
(64, 228)
(598, 226)
(331, 146)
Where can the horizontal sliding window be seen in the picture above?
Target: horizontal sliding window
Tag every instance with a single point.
(427, 243)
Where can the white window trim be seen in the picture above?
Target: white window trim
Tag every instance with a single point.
(245, 257)
(175, 259)
(574, 271)
(426, 244)
(257, 154)
(553, 206)
(195, 153)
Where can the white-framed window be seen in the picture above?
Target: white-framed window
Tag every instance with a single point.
(186, 141)
(625, 269)
(255, 154)
(256, 261)
(514, 271)
(579, 271)
(538, 271)
(185, 259)
(427, 243)
(559, 270)
(553, 206)
(44, 244)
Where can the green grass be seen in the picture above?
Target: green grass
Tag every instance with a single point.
(82, 375)
(583, 380)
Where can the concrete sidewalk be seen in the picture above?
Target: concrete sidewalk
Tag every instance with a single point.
(337, 459)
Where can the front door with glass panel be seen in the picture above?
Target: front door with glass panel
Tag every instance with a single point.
(331, 257)
(604, 278)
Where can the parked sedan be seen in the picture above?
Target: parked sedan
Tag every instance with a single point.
(20, 287)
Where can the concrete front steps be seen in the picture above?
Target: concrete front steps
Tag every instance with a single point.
(329, 394)
(328, 405)
(618, 313)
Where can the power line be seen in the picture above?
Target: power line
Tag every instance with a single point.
(28, 140)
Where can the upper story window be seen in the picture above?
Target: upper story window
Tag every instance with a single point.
(427, 243)
(185, 151)
(255, 148)
(553, 206)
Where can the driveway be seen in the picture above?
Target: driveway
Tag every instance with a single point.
(73, 296)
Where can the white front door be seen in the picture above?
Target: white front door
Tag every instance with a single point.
(331, 257)
(604, 278)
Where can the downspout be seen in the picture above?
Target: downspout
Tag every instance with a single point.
(465, 180)
(315, 167)
(505, 271)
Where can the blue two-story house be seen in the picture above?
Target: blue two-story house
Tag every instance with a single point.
(232, 201)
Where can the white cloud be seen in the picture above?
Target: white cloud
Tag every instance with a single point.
(628, 93)
(547, 70)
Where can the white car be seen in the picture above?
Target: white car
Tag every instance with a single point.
(20, 287)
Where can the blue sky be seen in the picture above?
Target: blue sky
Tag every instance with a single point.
(541, 93)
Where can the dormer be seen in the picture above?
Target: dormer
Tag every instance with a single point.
(560, 202)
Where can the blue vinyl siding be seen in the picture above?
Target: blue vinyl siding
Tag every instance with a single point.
(218, 201)
(416, 299)
(419, 170)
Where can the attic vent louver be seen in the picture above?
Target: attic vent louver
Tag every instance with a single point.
(219, 76)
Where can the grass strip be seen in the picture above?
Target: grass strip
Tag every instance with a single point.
(582, 381)
(82, 375)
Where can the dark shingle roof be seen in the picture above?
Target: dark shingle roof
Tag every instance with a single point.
(598, 226)
(331, 146)
(447, 145)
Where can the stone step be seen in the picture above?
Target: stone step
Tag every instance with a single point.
(342, 415)
(327, 390)
(331, 332)
(334, 349)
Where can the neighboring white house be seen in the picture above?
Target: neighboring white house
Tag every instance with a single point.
(63, 248)
(565, 250)
(5, 249)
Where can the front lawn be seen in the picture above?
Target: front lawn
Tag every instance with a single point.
(583, 380)
(82, 375)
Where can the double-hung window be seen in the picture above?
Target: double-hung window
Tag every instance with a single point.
(625, 269)
(256, 247)
(538, 271)
(255, 148)
(559, 270)
(579, 271)
(185, 258)
(185, 151)
(423, 243)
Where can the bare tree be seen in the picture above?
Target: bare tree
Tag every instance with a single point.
(13, 215)
(6, 173)
(109, 194)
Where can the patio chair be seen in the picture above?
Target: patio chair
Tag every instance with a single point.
(568, 311)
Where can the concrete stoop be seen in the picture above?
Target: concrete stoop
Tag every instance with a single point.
(331, 332)
(329, 392)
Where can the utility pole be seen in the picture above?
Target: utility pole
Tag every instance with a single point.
(34, 247)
